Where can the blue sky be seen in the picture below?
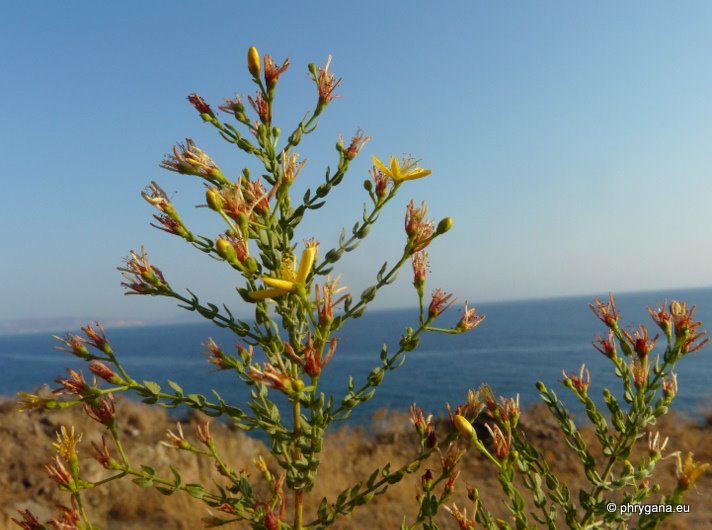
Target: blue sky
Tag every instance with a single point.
(569, 141)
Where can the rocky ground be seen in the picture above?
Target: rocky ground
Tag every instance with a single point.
(349, 456)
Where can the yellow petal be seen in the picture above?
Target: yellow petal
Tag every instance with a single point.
(305, 264)
(416, 174)
(380, 165)
(261, 294)
(285, 285)
(395, 169)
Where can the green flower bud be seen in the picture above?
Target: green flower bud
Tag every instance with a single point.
(444, 225)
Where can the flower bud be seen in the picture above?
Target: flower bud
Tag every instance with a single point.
(212, 197)
(253, 62)
(251, 265)
(107, 374)
(464, 427)
(444, 225)
(427, 480)
(226, 251)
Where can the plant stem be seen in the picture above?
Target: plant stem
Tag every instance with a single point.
(298, 494)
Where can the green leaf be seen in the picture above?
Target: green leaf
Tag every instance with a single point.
(152, 387)
(176, 475)
(195, 490)
(176, 387)
(143, 482)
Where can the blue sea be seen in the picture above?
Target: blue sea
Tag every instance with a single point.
(518, 344)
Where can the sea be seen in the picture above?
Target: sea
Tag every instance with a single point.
(518, 344)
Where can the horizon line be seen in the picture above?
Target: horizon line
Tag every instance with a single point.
(32, 326)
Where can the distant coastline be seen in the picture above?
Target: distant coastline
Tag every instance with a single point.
(30, 326)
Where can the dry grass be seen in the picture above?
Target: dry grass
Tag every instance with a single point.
(349, 455)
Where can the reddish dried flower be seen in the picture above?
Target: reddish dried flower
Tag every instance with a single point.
(357, 143)
(639, 369)
(418, 420)
(201, 106)
(234, 202)
(290, 167)
(203, 433)
(272, 72)
(326, 83)
(74, 385)
(177, 441)
(245, 353)
(170, 225)
(143, 278)
(470, 319)
(461, 518)
(690, 345)
(581, 381)
(216, 356)
(29, 521)
(99, 369)
(97, 337)
(417, 227)
(662, 317)
(188, 159)
(58, 472)
(235, 107)
(258, 197)
(449, 487)
(640, 342)
(686, 327)
(606, 346)
(310, 357)
(75, 345)
(102, 455)
(326, 299)
(509, 410)
(69, 519)
(419, 261)
(501, 442)
(381, 181)
(103, 410)
(440, 302)
(670, 386)
(452, 457)
(261, 106)
(273, 377)
(656, 445)
(606, 313)
(156, 196)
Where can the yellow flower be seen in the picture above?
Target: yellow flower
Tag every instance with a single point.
(401, 170)
(289, 280)
(689, 471)
(67, 442)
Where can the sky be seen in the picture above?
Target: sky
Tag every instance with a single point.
(569, 141)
